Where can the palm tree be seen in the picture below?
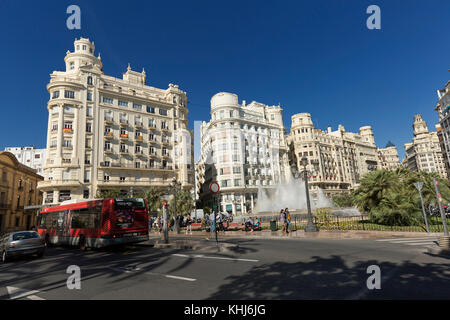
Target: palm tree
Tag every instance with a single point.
(154, 199)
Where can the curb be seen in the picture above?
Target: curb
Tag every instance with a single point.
(438, 251)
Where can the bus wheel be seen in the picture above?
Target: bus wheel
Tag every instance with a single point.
(82, 243)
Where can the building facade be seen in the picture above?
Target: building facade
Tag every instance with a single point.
(18, 190)
(443, 109)
(424, 152)
(30, 156)
(108, 133)
(243, 148)
(336, 159)
(388, 157)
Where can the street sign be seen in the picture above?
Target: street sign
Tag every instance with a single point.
(418, 185)
(214, 187)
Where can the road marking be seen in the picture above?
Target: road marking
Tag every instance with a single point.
(170, 276)
(180, 278)
(17, 293)
(411, 241)
(405, 239)
(212, 257)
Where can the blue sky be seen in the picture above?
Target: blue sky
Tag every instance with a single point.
(311, 56)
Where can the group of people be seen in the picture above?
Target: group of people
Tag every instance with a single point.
(252, 224)
(285, 220)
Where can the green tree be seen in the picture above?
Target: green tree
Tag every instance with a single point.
(154, 199)
(343, 200)
(390, 197)
(112, 193)
(185, 203)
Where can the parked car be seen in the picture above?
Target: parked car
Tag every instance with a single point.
(22, 243)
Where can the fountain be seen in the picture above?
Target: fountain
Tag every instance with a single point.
(292, 195)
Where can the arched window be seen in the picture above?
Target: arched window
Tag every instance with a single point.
(89, 80)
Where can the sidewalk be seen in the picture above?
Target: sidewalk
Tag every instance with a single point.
(300, 234)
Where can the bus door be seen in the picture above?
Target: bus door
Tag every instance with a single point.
(63, 224)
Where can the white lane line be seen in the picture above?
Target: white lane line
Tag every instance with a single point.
(212, 257)
(410, 241)
(17, 293)
(170, 276)
(180, 278)
(419, 243)
(401, 239)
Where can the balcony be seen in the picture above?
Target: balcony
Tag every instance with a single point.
(124, 136)
(139, 138)
(67, 161)
(123, 122)
(108, 150)
(152, 141)
(140, 153)
(67, 130)
(138, 124)
(109, 120)
(165, 129)
(165, 141)
(152, 155)
(123, 151)
(151, 126)
(165, 155)
(109, 135)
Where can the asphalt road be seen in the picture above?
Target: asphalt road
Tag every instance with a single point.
(257, 269)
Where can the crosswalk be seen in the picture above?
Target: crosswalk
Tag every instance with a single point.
(418, 242)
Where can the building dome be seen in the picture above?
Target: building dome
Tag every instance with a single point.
(224, 99)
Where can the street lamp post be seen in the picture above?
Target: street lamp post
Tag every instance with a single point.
(419, 186)
(310, 226)
(175, 184)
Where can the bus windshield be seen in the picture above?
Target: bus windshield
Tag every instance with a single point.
(124, 210)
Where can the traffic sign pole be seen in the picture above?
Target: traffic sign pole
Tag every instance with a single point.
(419, 186)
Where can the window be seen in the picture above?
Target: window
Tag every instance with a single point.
(137, 106)
(89, 111)
(55, 126)
(53, 144)
(123, 103)
(88, 127)
(86, 218)
(162, 112)
(72, 65)
(174, 113)
(69, 94)
(65, 175)
(89, 96)
(163, 125)
(89, 80)
(150, 109)
(85, 195)
(107, 100)
(105, 177)
(67, 143)
(55, 94)
(107, 146)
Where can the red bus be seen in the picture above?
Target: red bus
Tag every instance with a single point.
(95, 223)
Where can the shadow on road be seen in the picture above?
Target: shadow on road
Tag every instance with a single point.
(331, 278)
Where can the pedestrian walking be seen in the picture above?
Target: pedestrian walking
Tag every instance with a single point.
(282, 221)
(288, 219)
(188, 224)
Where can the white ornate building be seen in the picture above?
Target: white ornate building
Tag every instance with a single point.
(336, 159)
(388, 157)
(108, 133)
(443, 109)
(243, 148)
(424, 153)
(30, 156)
